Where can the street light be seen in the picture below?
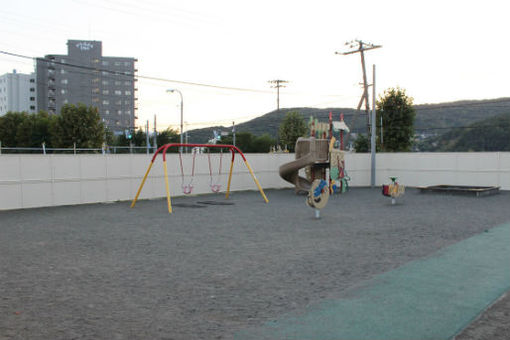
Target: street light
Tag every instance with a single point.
(179, 92)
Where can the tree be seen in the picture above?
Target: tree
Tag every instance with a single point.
(168, 136)
(292, 127)
(263, 143)
(35, 129)
(362, 143)
(398, 114)
(9, 124)
(78, 124)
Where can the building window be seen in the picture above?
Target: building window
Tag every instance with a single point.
(65, 101)
(118, 92)
(106, 102)
(104, 73)
(127, 93)
(32, 80)
(117, 63)
(105, 63)
(64, 81)
(118, 102)
(63, 91)
(106, 92)
(119, 112)
(127, 83)
(62, 71)
(107, 112)
(117, 82)
(62, 60)
(32, 107)
(32, 89)
(32, 98)
(105, 82)
(128, 112)
(96, 90)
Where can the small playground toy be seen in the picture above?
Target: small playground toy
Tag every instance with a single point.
(393, 190)
(163, 149)
(318, 196)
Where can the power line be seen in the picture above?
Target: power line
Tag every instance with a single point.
(135, 75)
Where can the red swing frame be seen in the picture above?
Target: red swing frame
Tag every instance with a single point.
(163, 150)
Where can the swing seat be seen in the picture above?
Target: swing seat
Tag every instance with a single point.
(187, 189)
(215, 187)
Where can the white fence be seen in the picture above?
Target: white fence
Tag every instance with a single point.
(28, 181)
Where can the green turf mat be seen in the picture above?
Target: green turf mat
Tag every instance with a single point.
(433, 298)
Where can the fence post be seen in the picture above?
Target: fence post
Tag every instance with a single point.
(103, 148)
(44, 148)
(130, 147)
(0, 147)
(74, 147)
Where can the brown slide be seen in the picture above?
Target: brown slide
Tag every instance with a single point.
(309, 151)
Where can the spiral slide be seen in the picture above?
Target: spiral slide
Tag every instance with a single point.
(315, 154)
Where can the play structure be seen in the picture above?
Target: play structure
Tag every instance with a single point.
(187, 186)
(393, 190)
(321, 156)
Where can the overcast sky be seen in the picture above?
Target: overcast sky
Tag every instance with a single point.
(436, 50)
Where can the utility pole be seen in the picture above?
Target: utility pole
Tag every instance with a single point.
(277, 83)
(361, 48)
(234, 133)
(155, 139)
(373, 131)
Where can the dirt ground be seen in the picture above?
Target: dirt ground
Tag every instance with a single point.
(105, 271)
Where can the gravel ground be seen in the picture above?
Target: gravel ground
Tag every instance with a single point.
(493, 324)
(106, 271)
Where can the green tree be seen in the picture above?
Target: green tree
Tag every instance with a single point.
(78, 124)
(168, 136)
(244, 141)
(362, 143)
(292, 127)
(263, 143)
(35, 129)
(398, 114)
(9, 124)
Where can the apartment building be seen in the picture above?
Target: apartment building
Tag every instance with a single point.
(18, 93)
(85, 76)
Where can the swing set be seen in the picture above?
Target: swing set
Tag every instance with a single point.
(187, 188)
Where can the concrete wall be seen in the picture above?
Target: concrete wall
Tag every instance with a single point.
(28, 181)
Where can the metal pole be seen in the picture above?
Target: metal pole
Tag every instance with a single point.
(147, 137)
(155, 140)
(372, 141)
(234, 133)
(182, 130)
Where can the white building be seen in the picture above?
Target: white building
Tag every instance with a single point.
(18, 93)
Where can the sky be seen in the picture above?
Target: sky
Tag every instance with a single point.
(438, 51)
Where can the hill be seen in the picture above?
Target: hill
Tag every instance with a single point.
(490, 134)
(431, 119)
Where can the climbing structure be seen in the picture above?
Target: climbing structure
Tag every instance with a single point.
(321, 156)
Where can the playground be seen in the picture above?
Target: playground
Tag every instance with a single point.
(423, 268)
